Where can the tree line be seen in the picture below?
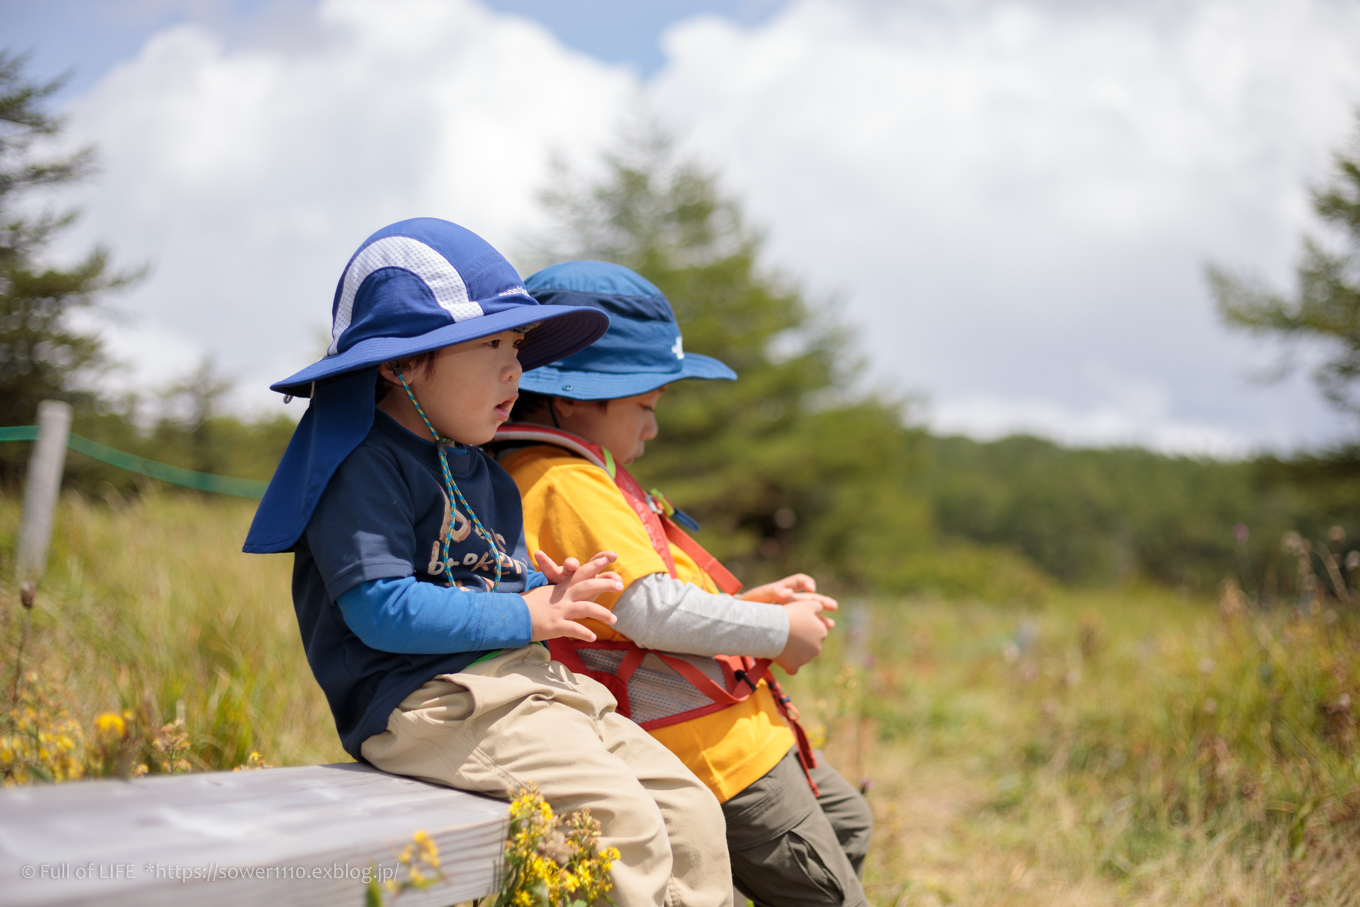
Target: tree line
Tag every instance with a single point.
(792, 467)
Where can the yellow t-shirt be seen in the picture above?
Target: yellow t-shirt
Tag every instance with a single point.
(573, 508)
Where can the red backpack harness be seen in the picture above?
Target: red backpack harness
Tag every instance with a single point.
(720, 680)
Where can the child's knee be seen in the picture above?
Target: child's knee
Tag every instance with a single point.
(701, 813)
(698, 840)
(625, 811)
(855, 827)
(848, 811)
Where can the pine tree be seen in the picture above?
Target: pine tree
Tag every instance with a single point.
(42, 354)
(1324, 311)
(792, 466)
(1326, 306)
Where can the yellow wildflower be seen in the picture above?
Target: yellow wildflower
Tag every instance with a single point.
(111, 724)
(421, 859)
(552, 860)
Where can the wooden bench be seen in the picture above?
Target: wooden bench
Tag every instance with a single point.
(286, 836)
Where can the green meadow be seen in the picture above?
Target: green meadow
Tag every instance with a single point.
(1120, 745)
(1132, 746)
(147, 603)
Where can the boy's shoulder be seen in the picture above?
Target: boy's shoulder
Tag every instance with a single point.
(557, 485)
(379, 453)
(536, 463)
(390, 450)
(552, 480)
(391, 464)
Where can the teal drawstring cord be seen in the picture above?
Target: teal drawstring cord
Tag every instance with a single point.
(454, 494)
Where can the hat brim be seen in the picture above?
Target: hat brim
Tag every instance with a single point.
(563, 330)
(578, 385)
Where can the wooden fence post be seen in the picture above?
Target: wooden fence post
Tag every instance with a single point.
(41, 486)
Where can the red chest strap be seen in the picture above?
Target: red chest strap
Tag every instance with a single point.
(662, 531)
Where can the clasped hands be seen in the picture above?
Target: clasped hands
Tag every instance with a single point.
(808, 625)
(556, 609)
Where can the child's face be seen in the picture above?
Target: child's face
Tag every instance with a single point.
(466, 392)
(622, 427)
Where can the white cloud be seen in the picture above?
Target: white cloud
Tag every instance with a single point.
(248, 175)
(1011, 197)
(154, 357)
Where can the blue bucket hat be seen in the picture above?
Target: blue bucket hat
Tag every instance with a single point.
(413, 287)
(641, 351)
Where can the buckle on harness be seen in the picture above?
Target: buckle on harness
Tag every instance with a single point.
(658, 502)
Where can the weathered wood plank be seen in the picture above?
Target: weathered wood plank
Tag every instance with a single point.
(289, 836)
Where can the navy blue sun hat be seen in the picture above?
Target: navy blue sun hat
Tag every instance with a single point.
(641, 351)
(423, 284)
(416, 286)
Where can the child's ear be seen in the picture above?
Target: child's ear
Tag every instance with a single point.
(567, 408)
(388, 373)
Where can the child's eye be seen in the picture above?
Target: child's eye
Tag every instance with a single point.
(519, 343)
(495, 344)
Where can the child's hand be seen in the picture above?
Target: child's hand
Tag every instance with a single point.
(807, 632)
(799, 587)
(788, 589)
(780, 591)
(555, 609)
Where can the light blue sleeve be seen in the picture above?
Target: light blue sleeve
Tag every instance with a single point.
(534, 579)
(409, 617)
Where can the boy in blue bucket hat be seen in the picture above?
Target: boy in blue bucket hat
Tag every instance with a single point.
(412, 583)
(687, 657)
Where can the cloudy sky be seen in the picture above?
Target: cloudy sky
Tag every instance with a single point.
(1011, 201)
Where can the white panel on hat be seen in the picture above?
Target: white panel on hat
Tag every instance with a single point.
(411, 255)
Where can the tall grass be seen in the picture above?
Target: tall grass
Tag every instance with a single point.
(1103, 748)
(1115, 747)
(149, 603)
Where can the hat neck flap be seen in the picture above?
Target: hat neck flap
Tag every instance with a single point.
(337, 421)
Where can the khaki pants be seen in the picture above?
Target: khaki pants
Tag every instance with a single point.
(791, 849)
(520, 718)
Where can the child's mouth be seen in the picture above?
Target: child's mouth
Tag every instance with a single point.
(503, 408)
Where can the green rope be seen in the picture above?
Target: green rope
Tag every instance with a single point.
(19, 433)
(164, 472)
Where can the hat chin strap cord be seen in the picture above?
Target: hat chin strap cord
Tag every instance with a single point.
(451, 488)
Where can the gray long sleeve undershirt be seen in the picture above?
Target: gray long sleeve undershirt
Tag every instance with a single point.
(661, 612)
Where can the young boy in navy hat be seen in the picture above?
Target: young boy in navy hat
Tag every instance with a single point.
(411, 579)
(798, 832)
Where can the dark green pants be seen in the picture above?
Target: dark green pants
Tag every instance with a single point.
(790, 848)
